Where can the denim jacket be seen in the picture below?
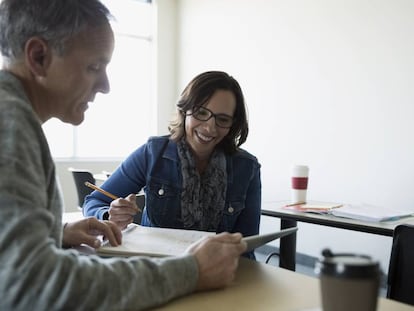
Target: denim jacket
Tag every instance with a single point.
(155, 167)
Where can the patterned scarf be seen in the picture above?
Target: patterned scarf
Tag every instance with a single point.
(203, 197)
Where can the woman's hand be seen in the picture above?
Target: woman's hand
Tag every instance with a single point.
(87, 230)
(122, 211)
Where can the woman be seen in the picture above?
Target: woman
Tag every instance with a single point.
(197, 177)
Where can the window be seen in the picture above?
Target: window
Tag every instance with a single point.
(115, 123)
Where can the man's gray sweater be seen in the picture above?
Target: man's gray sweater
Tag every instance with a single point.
(35, 272)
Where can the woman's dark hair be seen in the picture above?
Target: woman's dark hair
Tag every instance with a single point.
(198, 92)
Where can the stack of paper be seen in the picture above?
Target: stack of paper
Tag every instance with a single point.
(371, 213)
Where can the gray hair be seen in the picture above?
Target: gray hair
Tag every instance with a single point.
(55, 21)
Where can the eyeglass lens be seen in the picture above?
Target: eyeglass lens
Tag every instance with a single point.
(204, 114)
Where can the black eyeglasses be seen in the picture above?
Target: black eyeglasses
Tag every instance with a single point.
(204, 114)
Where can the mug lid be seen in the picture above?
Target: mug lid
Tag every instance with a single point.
(347, 265)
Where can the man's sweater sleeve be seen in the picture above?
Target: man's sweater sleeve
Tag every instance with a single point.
(37, 275)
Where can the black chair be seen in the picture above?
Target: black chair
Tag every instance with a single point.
(401, 267)
(141, 204)
(80, 177)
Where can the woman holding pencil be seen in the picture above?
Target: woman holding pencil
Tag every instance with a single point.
(196, 178)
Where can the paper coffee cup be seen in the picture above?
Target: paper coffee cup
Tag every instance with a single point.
(300, 176)
(348, 282)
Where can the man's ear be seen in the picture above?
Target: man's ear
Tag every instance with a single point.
(37, 56)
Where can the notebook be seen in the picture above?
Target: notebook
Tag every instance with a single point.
(160, 242)
(370, 213)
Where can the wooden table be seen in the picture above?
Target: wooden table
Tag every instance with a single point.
(262, 287)
(259, 287)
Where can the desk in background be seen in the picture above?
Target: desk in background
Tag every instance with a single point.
(289, 218)
(101, 177)
(262, 287)
(72, 216)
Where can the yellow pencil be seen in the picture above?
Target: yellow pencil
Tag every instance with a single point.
(109, 195)
(294, 204)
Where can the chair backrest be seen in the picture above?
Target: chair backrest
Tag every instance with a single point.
(401, 267)
(80, 177)
(141, 204)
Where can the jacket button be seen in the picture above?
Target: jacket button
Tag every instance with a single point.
(161, 191)
(230, 209)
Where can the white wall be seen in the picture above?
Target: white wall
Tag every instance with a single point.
(328, 83)
(165, 92)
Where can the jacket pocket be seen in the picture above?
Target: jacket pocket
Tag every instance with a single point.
(230, 214)
(163, 202)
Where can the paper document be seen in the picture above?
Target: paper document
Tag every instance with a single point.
(313, 207)
(153, 241)
(160, 242)
(371, 213)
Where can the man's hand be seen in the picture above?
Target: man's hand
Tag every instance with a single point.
(218, 259)
(122, 211)
(85, 231)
